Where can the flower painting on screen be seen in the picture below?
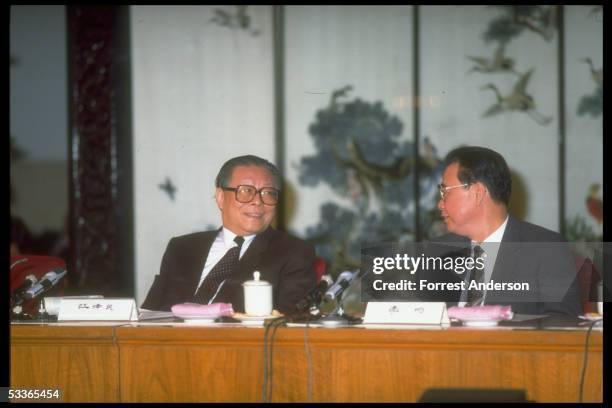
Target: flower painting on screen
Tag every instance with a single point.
(363, 157)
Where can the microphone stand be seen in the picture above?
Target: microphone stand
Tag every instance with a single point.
(18, 314)
(43, 316)
(337, 317)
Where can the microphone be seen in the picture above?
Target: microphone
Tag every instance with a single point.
(47, 281)
(314, 297)
(343, 282)
(17, 297)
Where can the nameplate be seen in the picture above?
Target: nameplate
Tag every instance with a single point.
(98, 309)
(406, 313)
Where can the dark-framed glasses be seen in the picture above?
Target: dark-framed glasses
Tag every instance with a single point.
(442, 189)
(245, 194)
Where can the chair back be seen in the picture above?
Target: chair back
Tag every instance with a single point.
(588, 277)
(320, 266)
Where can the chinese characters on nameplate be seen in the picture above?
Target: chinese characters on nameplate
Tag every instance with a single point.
(406, 313)
(98, 309)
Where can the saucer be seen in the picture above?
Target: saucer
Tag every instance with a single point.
(194, 318)
(591, 316)
(254, 320)
(480, 323)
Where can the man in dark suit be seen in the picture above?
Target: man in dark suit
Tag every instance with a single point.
(247, 192)
(474, 196)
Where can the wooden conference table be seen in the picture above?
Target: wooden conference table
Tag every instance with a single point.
(108, 362)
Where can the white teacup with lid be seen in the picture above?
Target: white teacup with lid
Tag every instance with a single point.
(257, 296)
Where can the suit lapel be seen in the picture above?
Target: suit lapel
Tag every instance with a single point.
(507, 258)
(199, 255)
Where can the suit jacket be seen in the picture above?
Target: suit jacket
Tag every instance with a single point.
(535, 255)
(283, 260)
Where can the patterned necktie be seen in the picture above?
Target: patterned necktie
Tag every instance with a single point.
(220, 272)
(475, 296)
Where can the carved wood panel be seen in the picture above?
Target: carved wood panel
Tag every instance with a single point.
(93, 149)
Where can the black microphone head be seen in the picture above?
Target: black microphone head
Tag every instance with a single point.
(18, 295)
(31, 278)
(326, 282)
(315, 295)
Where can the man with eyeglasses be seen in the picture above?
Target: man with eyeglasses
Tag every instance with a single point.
(210, 267)
(474, 196)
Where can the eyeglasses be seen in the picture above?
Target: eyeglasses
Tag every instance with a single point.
(443, 190)
(245, 194)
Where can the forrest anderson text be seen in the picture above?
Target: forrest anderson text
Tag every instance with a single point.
(405, 284)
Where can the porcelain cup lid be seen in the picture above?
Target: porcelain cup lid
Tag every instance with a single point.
(256, 281)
